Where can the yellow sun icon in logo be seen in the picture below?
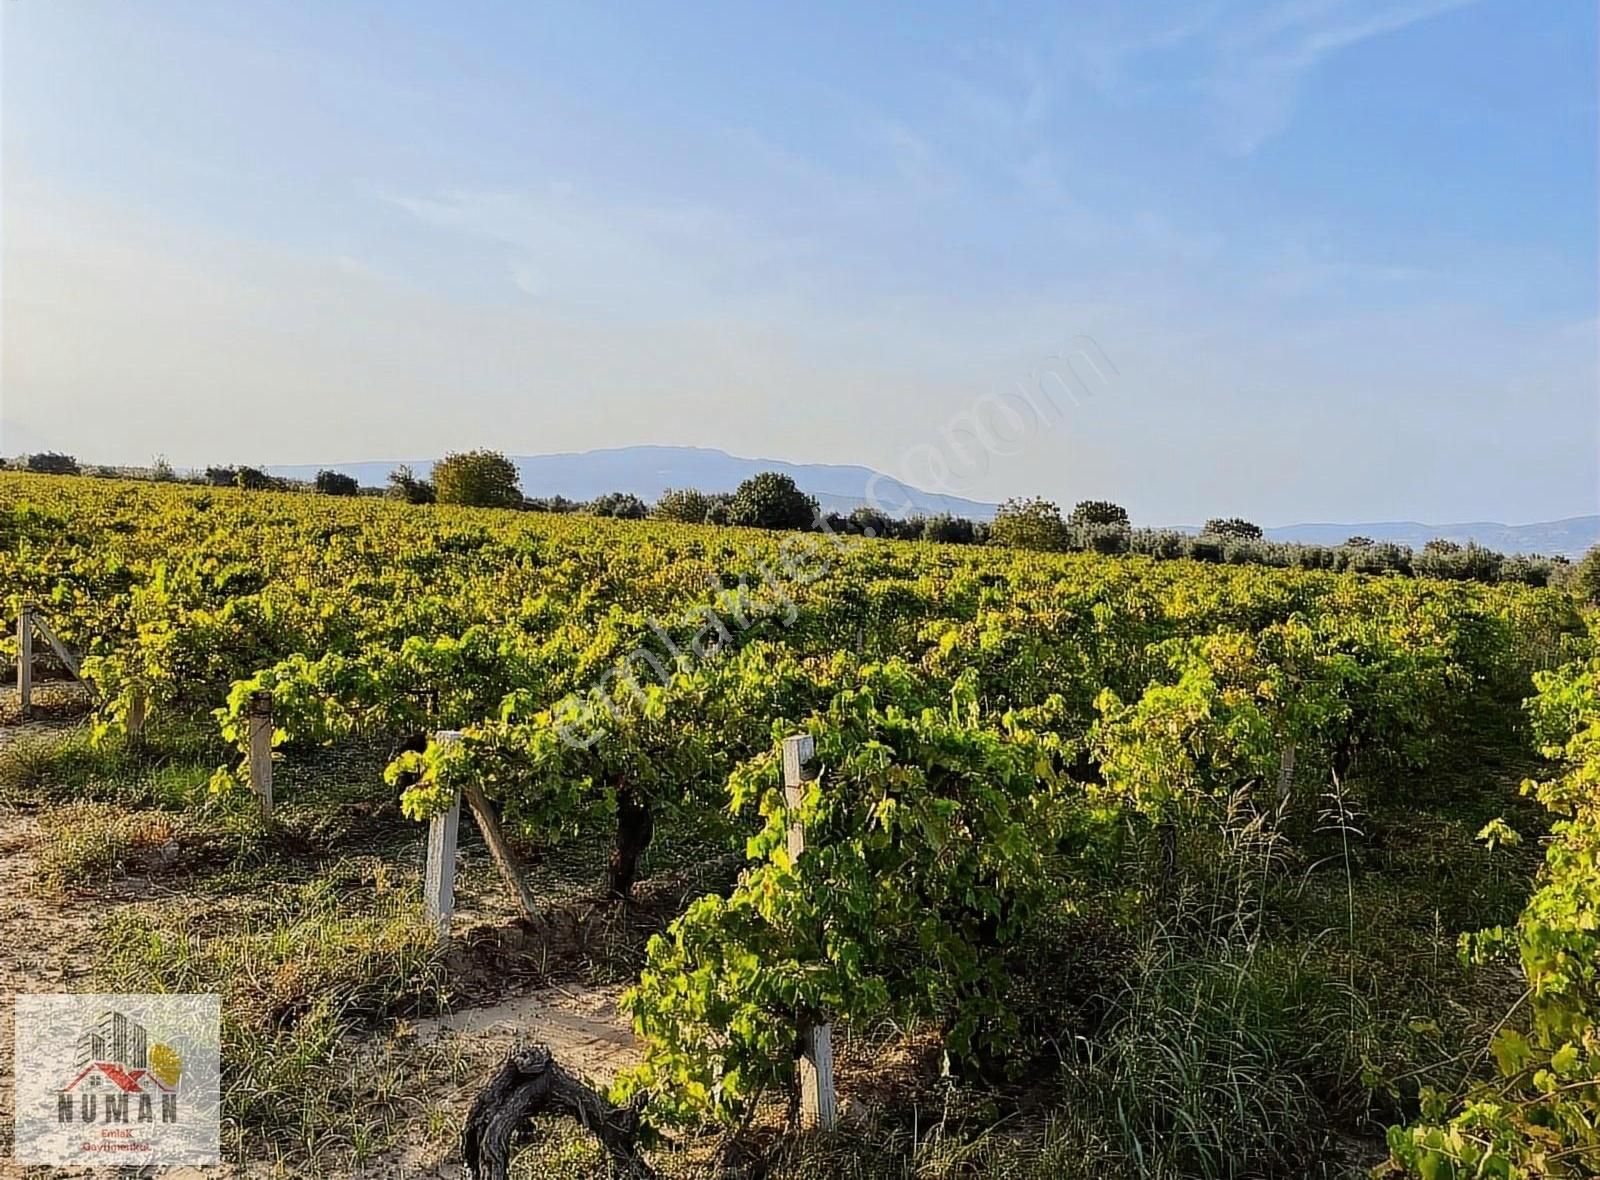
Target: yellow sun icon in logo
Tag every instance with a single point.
(165, 1064)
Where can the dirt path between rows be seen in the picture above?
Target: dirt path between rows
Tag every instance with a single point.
(45, 946)
(581, 1026)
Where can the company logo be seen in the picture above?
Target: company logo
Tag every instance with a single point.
(117, 1079)
(115, 1068)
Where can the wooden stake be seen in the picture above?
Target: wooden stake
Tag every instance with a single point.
(138, 704)
(259, 722)
(505, 859)
(67, 659)
(1286, 773)
(797, 772)
(819, 1104)
(439, 881)
(25, 660)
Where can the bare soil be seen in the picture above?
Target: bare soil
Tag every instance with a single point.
(48, 944)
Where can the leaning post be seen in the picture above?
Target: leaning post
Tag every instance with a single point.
(819, 1104)
(439, 880)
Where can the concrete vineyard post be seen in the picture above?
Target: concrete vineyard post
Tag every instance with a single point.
(439, 881)
(819, 1105)
(25, 660)
(260, 732)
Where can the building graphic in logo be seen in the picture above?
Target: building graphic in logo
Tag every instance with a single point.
(118, 1079)
(117, 1071)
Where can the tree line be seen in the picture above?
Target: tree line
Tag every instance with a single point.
(772, 500)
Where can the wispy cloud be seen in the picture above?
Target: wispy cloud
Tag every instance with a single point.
(1261, 63)
(1246, 63)
(566, 246)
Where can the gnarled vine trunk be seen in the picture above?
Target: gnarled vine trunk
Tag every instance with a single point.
(529, 1083)
(635, 825)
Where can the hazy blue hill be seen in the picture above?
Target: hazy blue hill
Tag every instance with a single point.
(648, 471)
(1572, 536)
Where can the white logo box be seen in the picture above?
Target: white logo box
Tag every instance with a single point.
(107, 1080)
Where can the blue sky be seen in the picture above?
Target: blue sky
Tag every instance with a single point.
(1341, 253)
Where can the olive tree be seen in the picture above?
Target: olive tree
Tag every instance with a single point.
(404, 485)
(1586, 578)
(1100, 513)
(52, 463)
(622, 505)
(336, 483)
(477, 479)
(771, 500)
(253, 479)
(683, 505)
(1033, 523)
(1232, 527)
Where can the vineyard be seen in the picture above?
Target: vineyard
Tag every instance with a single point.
(1106, 866)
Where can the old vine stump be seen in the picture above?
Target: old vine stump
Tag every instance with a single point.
(528, 1083)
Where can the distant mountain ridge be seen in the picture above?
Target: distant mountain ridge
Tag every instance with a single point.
(649, 470)
(1571, 537)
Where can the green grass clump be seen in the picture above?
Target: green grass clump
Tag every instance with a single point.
(85, 842)
(1205, 1065)
(67, 765)
(303, 981)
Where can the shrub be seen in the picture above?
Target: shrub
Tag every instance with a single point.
(869, 522)
(253, 479)
(948, 530)
(1529, 571)
(1029, 524)
(477, 479)
(334, 483)
(1586, 577)
(894, 915)
(557, 504)
(1102, 538)
(622, 505)
(771, 501)
(1232, 527)
(1469, 562)
(404, 485)
(1377, 558)
(52, 463)
(1099, 512)
(1166, 544)
(684, 505)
